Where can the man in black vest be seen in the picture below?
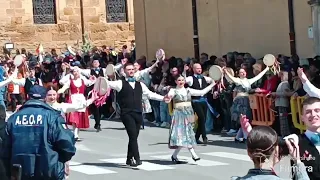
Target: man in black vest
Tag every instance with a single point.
(309, 142)
(28, 82)
(130, 101)
(199, 104)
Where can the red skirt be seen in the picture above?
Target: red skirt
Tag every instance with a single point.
(79, 118)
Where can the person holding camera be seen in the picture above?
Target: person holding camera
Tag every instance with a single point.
(264, 148)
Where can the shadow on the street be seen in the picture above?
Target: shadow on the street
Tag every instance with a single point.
(161, 143)
(112, 128)
(163, 162)
(109, 165)
(230, 144)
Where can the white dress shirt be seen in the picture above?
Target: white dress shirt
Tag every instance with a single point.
(117, 85)
(311, 90)
(189, 80)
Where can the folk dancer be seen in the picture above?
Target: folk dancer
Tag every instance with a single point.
(96, 71)
(241, 103)
(129, 97)
(181, 132)
(77, 86)
(51, 100)
(309, 142)
(199, 104)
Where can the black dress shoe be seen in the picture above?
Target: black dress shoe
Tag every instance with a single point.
(138, 162)
(195, 159)
(98, 128)
(205, 141)
(199, 142)
(175, 160)
(130, 162)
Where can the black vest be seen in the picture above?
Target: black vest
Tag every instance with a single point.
(196, 85)
(306, 145)
(28, 84)
(93, 73)
(100, 74)
(130, 100)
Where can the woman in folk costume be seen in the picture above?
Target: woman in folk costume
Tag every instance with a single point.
(241, 103)
(51, 99)
(77, 86)
(181, 130)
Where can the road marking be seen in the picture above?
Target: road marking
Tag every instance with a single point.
(147, 166)
(235, 156)
(88, 169)
(201, 162)
(82, 147)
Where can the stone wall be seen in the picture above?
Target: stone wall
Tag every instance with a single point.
(16, 24)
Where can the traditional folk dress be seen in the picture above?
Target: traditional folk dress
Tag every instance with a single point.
(77, 90)
(181, 132)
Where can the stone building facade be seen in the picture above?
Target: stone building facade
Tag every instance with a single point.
(255, 26)
(19, 25)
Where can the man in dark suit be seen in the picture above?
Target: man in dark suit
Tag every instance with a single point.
(309, 142)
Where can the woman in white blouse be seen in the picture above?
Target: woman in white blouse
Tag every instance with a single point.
(77, 86)
(241, 104)
(181, 130)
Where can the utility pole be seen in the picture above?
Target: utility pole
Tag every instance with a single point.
(82, 21)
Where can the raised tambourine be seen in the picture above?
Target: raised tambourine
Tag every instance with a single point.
(215, 72)
(101, 86)
(18, 60)
(271, 61)
(71, 51)
(110, 71)
(160, 55)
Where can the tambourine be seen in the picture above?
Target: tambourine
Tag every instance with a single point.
(101, 86)
(271, 61)
(18, 60)
(71, 51)
(110, 70)
(215, 72)
(160, 55)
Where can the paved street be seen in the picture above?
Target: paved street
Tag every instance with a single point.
(102, 156)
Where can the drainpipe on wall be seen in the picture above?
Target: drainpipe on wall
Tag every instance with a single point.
(82, 20)
(292, 34)
(195, 30)
(315, 9)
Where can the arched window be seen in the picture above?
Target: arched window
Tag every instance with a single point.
(116, 11)
(44, 11)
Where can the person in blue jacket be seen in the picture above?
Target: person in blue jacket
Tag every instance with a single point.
(37, 138)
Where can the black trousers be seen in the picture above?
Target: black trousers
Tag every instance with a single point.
(201, 109)
(132, 122)
(96, 112)
(16, 99)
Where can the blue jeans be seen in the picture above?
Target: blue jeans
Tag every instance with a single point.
(164, 113)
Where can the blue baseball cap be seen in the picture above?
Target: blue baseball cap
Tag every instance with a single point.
(37, 92)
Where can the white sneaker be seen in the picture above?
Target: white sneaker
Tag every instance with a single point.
(164, 124)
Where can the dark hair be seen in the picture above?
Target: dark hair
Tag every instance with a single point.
(310, 100)
(176, 77)
(261, 143)
(127, 64)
